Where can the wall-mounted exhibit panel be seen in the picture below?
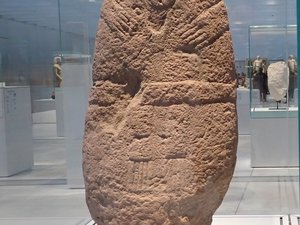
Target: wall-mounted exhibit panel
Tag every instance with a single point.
(16, 153)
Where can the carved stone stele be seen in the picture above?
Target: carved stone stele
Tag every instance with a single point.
(161, 133)
(278, 80)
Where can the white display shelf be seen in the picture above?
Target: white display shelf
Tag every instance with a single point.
(274, 137)
(16, 153)
(91, 223)
(273, 112)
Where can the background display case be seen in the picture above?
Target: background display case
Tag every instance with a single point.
(274, 131)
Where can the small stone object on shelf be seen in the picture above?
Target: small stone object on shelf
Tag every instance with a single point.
(278, 80)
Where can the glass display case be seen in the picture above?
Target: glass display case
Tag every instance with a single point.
(262, 54)
(273, 95)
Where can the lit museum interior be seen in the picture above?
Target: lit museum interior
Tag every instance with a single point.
(42, 122)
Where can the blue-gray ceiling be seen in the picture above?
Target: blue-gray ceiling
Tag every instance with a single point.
(18, 17)
(29, 32)
(245, 13)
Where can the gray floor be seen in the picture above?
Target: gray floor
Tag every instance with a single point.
(255, 191)
(41, 196)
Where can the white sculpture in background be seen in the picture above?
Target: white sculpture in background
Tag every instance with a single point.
(257, 65)
(57, 71)
(278, 81)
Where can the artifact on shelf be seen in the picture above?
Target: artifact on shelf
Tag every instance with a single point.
(293, 68)
(278, 80)
(258, 64)
(57, 76)
(161, 130)
(260, 78)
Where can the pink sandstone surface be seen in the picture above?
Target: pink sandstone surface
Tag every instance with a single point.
(161, 130)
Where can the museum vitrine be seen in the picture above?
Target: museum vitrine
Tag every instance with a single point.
(265, 60)
(272, 69)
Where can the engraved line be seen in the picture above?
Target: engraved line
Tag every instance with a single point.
(214, 38)
(142, 175)
(192, 30)
(146, 169)
(112, 26)
(193, 20)
(117, 4)
(133, 173)
(197, 40)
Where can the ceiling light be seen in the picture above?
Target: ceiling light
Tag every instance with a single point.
(271, 2)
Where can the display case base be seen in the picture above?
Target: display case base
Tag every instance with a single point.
(250, 220)
(274, 137)
(295, 219)
(245, 220)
